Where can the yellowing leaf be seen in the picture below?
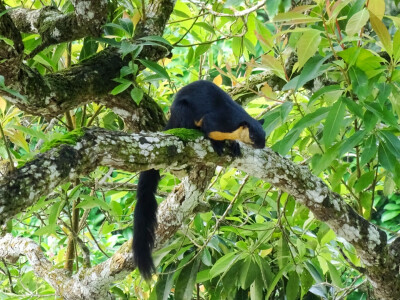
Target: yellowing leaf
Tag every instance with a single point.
(3, 104)
(382, 32)
(136, 17)
(274, 65)
(264, 253)
(356, 22)
(218, 80)
(307, 46)
(377, 7)
(17, 138)
(267, 91)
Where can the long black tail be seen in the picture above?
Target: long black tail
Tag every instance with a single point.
(145, 222)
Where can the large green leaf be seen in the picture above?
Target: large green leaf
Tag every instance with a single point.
(312, 69)
(334, 122)
(284, 145)
(307, 46)
(382, 33)
(292, 287)
(186, 281)
(223, 264)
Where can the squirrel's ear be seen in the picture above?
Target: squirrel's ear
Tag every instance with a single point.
(261, 121)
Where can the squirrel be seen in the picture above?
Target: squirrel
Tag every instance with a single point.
(199, 105)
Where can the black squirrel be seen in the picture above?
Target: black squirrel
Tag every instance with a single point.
(199, 105)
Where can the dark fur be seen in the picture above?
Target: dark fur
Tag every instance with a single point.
(198, 100)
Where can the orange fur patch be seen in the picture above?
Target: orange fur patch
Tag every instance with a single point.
(198, 123)
(240, 134)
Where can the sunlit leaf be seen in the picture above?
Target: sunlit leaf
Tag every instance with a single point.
(356, 22)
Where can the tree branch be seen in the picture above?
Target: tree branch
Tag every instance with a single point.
(137, 152)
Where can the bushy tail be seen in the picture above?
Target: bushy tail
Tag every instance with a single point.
(145, 222)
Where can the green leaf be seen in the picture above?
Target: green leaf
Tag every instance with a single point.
(256, 290)
(396, 46)
(312, 118)
(8, 10)
(356, 22)
(186, 281)
(127, 26)
(155, 38)
(312, 69)
(306, 282)
(335, 275)
(276, 116)
(223, 264)
(32, 132)
(321, 162)
(334, 122)
(307, 46)
(248, 272)
(129, 48)
(386, 158)
(89, 48)
(206, 257)
(155, 68)
(7, 41)
(366, 204)
(292, 287)
(203, 275)
(351, 142)
(121, 87)
(382, 33)
(385, 115)
(391, 141)
(137, 95)
(90, 202)
(388, 215)
(392, 206)
(324, 90)
(369, 150)
(201, 49)
(359, 82)
(277, 277)
(353, 107)
(370, 119)
(46, 230)
(55, 211)
(164, 285)
(284, 145)
(273, 64)
(205, 26)
(364, 181)
(295, 18)
(388, 186)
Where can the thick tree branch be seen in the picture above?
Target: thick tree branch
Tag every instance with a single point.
(138, 152)
(56, 27)
(90, 80)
